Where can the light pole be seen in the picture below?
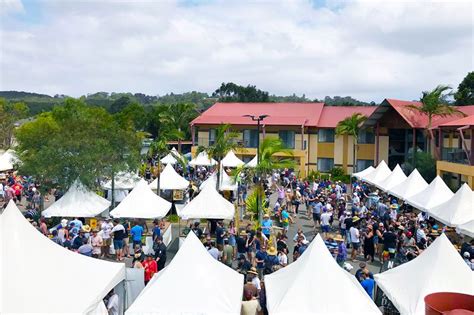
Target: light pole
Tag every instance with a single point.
(258, 119)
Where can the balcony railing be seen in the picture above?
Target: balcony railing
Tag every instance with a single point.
(454, 155)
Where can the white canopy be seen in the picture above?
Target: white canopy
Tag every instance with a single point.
(253, 162)
(78, 201)
(380, 173)
(409, 187)
(466, 228)
(230, 160)
(227, 182)
(457, 210)
(37, 276)
(439, 268)
(143, 203)
(169, 179)
(202, 159)
(435, 194)
(170, 158)
(363, 173)
(193, 283)
(123, 181)
(316, 284)
(393, 179)
(7, 160)
(209, 204)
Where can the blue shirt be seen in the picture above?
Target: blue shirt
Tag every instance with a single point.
(368, 285)
(136, 233)
(267, 226)
(317, 208)
(261, 256)
(156, 232)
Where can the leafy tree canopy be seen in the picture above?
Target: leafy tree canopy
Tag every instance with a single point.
(10, 113)
(231, 92)
(465, 92)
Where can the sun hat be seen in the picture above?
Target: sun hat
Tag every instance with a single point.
(288, 190)
(271, 251)
(355, 219)
(64, 222)
(266, 215)
(86, 228)
(338, 238)
(253, 271)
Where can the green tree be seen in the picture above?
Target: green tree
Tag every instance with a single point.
(120, 104)
(424, 163)
(175, 120)
(351, 126)
(133, 115)
(231, 92)
(76, 141)
(465, 92)
(226, 140)
(432, 105)
(9, 114)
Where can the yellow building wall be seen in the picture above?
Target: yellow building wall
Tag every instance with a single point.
(338, 152)
(366, 152)
(203, 138)
(326, 150)
(383, 149)
(466, 171)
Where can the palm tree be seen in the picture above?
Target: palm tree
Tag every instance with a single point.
(224, 142)
(159, 147)
(432, 105)
(351, 126)
(176, 119)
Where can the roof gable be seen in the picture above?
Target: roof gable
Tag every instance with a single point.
(332, 115)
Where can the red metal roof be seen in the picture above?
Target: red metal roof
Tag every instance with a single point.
(417, 120)
(331, 115)
(290, 114)
(466, 121)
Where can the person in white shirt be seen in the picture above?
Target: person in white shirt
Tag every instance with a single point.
(325, 218)
(106, 229)
(282, 258)
(214, 251)
(355, 238)
(113, 303)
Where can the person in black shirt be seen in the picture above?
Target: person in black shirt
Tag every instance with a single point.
(390, 241)
(243, 265)
(160, 252)
(197, 230)
(220, 236)
(241, 242)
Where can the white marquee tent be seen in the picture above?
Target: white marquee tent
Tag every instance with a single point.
(123, 181)
(457, 210)
(466, 228)
(364, 173)
(31, 266)
(202, 159)
(227, 182)
(435, 194)
(193, 283)
(393, 179)
(253, 162)
(78, 201)
(231, 160)
(439, 268)
(209, 204)
(381, 172)
(143, 203)
(409, 187)
(7, 160)
(169, 179)
(308, 286)
(170, 158)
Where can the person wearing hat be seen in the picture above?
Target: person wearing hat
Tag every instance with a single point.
(62, 230)
(261, 257)
(243, 265)
(251, 284)
(150, 266)
(252, 273)
(341, 255)
(272, 260)
(468, 260)
(96, 242)
(267, 225)
(106, 228)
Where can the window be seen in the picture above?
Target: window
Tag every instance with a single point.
(325, 164)
(363, 164)
(288, 138)
(212, 136)
(366, 137)
(326, 135)
(250, 138)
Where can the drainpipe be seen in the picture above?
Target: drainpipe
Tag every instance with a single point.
(377, 145)
(192, 134)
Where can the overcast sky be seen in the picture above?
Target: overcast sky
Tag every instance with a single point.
(367, 49)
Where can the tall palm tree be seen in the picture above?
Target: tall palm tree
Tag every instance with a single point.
(432, 105)
(176, 119)
(351, 126)
(225, 141)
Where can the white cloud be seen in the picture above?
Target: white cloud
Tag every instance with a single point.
(367, 49)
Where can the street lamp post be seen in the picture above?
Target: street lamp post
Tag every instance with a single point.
(258, 119)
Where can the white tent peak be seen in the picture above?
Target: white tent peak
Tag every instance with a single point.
(227, 182)
(142, 202)
(466, 228)
(56, 264)
(457, 210)
(202, 159)
(123, 181)
(211, 287)
(436, 193)
(78, 201)
(209, 204)
(439, 268)
(253, 162)
(381, 172)
(409, 187)
(231, 160)
(396, 177)
(363, 173)
(172, 157)
(170, 179)
(8, 159)
(307, 286)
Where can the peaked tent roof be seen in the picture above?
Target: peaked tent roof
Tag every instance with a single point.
(227, 182)
(78, 201)
(211, 287)
(7, 159)
(397, 177)
(436, 193)
(143, 203)
(56, 264)
(202, 159)
(363, 173)
(209, 204)
(381, 172)
(253, 162)
(169, 179)
(230, 160)
(123, 181)
(409, 187)
(466, 228)
(457, 210)
(170, 158)
(439, 268)
(307, 286)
